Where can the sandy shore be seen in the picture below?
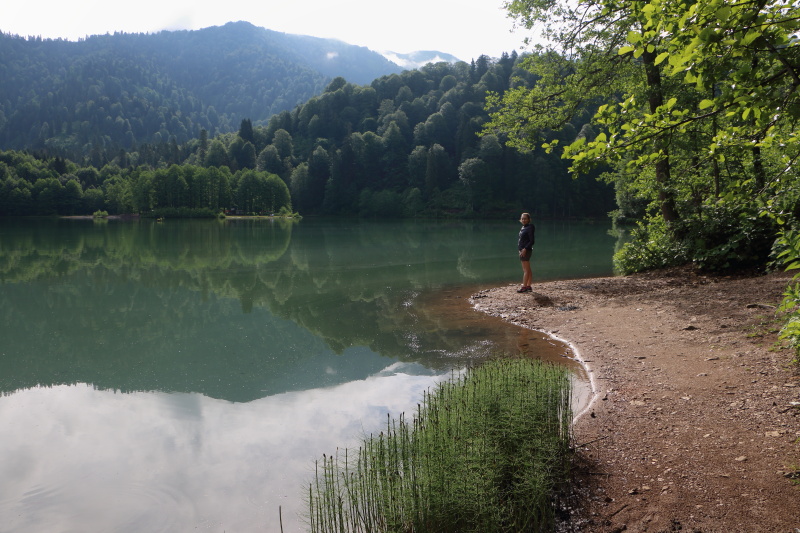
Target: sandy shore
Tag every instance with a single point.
(695, 425)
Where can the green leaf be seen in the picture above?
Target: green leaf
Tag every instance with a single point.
(625, 49)
(751, 36)
(705, 104)
(634, 37)
(661, 57)
(723, 13)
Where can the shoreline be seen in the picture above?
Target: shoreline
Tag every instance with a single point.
(594, 391)
(695, 420)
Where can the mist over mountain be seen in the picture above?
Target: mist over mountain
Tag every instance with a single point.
(123, 90)
(418, 59)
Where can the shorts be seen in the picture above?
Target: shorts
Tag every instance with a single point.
(527, 256)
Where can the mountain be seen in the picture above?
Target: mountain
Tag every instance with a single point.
(419, 59)
(122, 90)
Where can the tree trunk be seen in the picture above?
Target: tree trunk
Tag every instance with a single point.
(655, 98)
(758, 168)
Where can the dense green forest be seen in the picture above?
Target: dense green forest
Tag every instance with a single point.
(405, 145)
(105, 93)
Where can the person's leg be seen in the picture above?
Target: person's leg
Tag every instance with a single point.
(527, 274)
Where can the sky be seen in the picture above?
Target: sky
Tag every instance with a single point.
(464, 28)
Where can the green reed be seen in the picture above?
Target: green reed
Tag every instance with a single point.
(485, 451)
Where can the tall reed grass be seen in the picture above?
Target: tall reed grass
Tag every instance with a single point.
(485, 452)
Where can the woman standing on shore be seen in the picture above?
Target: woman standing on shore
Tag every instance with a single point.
(525, 247)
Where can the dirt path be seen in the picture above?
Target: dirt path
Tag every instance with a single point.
(696, 422)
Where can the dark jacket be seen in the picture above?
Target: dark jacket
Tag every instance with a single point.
(527, 237)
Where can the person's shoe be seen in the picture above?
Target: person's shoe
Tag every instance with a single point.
(524, 288)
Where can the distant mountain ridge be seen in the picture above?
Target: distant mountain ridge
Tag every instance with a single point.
(127, 89)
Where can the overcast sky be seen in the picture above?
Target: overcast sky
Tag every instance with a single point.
(464, 28)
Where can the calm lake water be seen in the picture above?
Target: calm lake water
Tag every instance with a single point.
(185, 375)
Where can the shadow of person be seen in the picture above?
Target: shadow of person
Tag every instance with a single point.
(542, 300)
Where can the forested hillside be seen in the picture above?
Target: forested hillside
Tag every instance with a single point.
(111, 92)
(405, 145)
(409, 143)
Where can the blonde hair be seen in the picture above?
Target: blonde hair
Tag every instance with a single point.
(525, 215)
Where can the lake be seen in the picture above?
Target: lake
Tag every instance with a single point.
(184, 375)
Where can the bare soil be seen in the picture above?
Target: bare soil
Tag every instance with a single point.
(695, 423)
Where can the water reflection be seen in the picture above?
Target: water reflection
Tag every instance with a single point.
(75, 458)
(185, 375)
(242, 309)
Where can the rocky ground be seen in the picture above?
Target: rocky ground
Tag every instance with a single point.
(695, 425)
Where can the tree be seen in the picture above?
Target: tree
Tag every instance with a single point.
(242, 154)
(693, 101)
(269, 160)
(395, 158)
(72, 198)
(437, 170)
(203, 147)
(246, 131)
(301, 187)
(217, 155)
(473, 174)
(283, 143)
(261, 192)
(319, 171)
(417, 166)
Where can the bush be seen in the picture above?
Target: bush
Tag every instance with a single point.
(788, 257)
(722, 237)
(728, 237)
(651, 246)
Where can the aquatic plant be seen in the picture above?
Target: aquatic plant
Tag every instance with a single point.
(485, 451)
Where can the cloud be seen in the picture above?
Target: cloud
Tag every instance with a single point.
(76, 458)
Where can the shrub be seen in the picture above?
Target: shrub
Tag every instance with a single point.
(721, 237)
(651, 246)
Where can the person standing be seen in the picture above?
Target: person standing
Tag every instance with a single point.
(525, 247)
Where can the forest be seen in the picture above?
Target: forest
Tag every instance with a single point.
(407, 144)
(111, 92)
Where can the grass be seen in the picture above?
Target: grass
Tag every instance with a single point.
(485, 451)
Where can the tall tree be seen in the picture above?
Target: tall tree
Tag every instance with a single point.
(246, 131)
